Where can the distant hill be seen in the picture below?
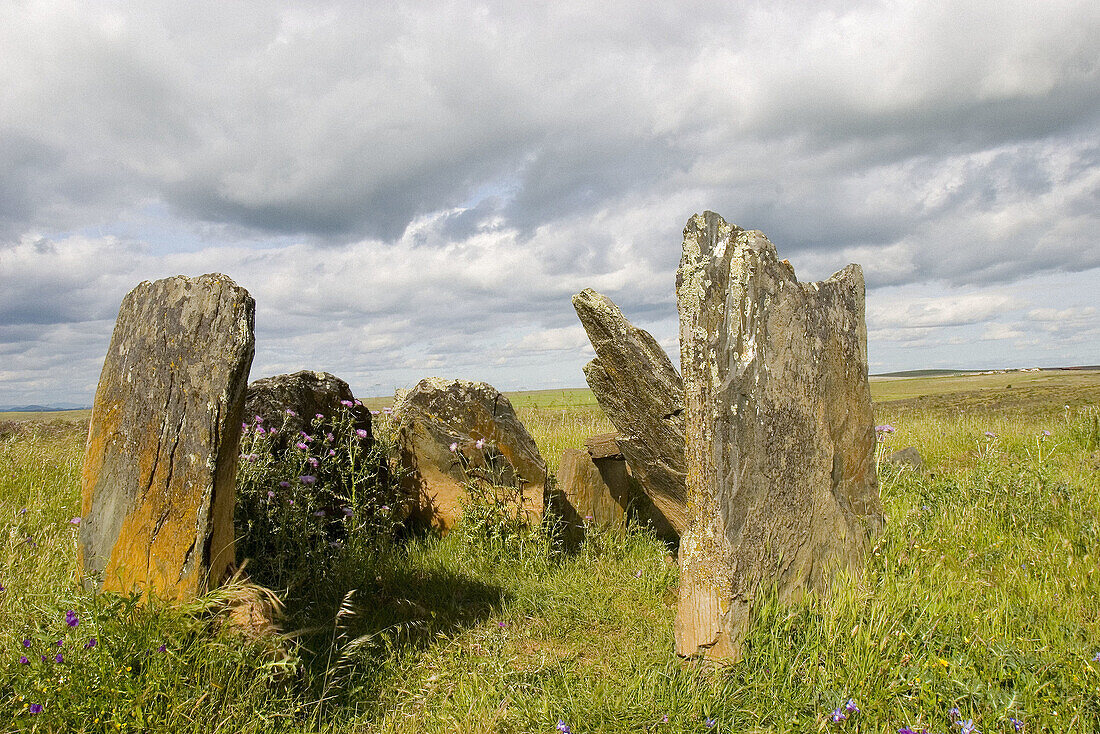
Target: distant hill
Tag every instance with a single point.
(42, 408)
(924, 373)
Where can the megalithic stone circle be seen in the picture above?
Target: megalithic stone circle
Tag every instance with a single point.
(161, 459)
(779, 432)
(636, 385)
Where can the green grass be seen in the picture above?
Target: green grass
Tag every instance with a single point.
(981, 594)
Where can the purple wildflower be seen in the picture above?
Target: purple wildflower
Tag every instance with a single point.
(35, 708)
(359, 402)
(58, 658)
(710, 723)
(968, 727)
(954, 714)
(348, 512)
(71, 618)
(44, 658)
(1096, 658)
(385, 508)
(906, 730)
(1017, 725)
(259, 419)
(990, 434)
(60, 642)
(307, 479)
(387, 411)
(664, 719)
(74, 521)
(332, 452)
(330, 437)
(454, 448)
(319, 416)
(301, 445)
(284, 484)
(270, 494)
(837, 715)
(1, 587)
(291, 413)
(346, 403)
(375, 412)
(313, 462)
(90, 643)
(244, 427)
(563, 727)
(480, 443)
(260, 430)
(26, 643)
(23, 660)
(162, 648)
(851, 707)
(1045, 433)
(638, 574)
(319, 513)
(360, 432)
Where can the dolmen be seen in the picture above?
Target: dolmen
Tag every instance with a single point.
(454, 433)
(780, 439)
(157, 486)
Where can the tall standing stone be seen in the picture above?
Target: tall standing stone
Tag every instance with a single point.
(161, 458)
(636, 385)
(780, 435)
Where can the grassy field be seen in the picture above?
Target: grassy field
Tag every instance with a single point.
(980, 595)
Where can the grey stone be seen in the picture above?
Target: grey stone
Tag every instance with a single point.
(908, 456)
(161, 457)
(305, 394)
(636, 385)
(437, 413)
(779, 432)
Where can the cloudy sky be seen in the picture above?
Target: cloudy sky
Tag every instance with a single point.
(414, 189)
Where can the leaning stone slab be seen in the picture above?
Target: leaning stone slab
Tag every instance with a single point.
(161, 458)
(780, 435)
(636, 385)
(491, 447)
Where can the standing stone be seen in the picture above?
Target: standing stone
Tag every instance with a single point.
(161, 458)
(596, 486)
(438, 413)
(305, 395)
(636, 385)
(780, 435)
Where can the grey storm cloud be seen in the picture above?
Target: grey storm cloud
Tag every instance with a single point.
(429, 179)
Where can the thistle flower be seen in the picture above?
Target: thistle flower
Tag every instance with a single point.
(302, 446)
(319, 416)
(291, 413)
(346, 403)
(360, 432)
(259, 419)
(270, 494)
(307, 479)
(313, 462)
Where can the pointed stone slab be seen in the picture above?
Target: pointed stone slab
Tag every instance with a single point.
(161, 458)
(635, 383)
(780, 435)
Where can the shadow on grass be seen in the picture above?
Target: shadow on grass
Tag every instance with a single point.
(359, 627)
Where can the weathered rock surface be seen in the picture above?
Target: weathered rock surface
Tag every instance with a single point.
(437, 413)
(780, 435)
(596, 486)
(306, 394)
(908, 456)
(161, 458)
(635, 383)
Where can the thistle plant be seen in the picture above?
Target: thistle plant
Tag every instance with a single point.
(300, 506)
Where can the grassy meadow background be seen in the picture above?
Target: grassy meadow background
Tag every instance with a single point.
(982, 594)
